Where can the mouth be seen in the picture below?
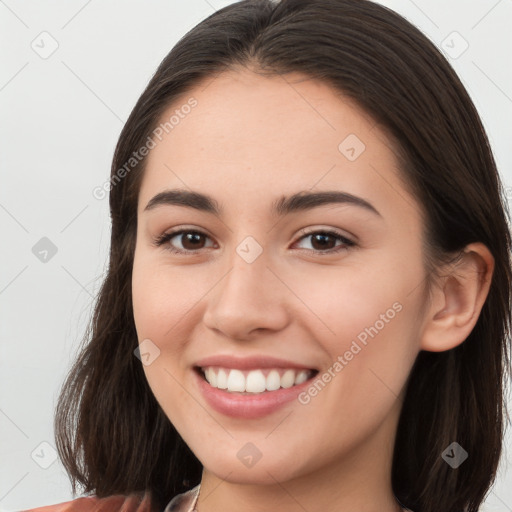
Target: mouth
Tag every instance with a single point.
(256, 381)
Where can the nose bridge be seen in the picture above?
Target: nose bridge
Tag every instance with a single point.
(248, 296)
(248, 278)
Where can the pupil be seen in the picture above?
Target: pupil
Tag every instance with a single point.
(323, 237)
(190, 237)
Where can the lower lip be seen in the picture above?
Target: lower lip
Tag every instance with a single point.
(238, 405)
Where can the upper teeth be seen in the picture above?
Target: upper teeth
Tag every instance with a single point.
(254, 381)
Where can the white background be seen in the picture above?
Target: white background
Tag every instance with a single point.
(60, 119)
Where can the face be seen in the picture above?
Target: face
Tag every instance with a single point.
(332, 284)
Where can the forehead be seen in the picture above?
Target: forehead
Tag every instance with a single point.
(268, 136)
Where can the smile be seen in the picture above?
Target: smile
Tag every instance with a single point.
(254, 381)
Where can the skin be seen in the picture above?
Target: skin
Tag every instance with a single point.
(250, 140)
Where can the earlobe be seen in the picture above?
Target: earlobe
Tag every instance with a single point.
(456, 303)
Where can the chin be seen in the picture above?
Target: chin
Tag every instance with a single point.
(266, 471)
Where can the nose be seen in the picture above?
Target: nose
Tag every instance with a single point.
(248, 299)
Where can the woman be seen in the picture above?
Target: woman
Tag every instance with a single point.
(308, 296)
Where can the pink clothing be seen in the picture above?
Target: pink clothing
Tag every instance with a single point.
(116, 503)
(184, 502)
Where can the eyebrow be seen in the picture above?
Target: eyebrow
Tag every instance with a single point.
(303, 200)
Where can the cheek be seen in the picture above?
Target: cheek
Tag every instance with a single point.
(162, 296)
(367, 315)
(371, 356)
(161, 302)
(346, 300)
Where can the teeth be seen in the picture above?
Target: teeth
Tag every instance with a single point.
(236, 381)
(273, 381)
(222, 379)
(254, 381)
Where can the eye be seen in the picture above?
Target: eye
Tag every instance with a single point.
(189, 239)
(192, 240)
(322, 240)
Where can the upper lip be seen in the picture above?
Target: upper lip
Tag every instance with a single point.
(249, 363)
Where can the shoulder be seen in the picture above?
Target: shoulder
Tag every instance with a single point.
(118, 502)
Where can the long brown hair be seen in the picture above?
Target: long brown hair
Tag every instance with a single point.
(111, 434)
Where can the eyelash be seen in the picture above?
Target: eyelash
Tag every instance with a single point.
(166, 237)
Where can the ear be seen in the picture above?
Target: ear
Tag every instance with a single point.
(456, 304)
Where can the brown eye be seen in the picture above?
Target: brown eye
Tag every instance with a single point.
(324, 241)
(189, 240)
